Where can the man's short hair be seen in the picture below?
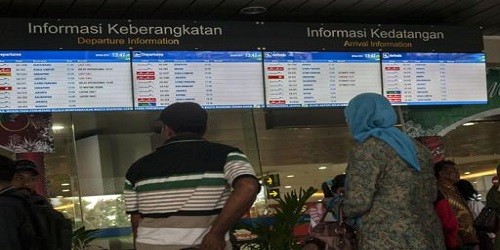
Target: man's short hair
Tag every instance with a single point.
(438, 166)
(26, 165)
(185, 117)
(7, 169)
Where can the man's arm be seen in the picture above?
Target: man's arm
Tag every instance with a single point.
(134, 220)
(245, 191)
(132, 205)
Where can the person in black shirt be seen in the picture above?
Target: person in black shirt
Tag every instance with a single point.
(16, 229)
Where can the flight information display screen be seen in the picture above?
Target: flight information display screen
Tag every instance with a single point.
(434, 78)
(319, 79)
(214, 79)
(53, 81)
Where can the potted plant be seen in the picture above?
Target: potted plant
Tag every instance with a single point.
(82, 238)
(278, 235)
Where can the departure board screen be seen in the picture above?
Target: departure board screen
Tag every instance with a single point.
(214, 79)
(434, 78)
(53, 81)
(319, 79)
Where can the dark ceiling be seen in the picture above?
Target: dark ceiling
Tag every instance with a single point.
(484, 13)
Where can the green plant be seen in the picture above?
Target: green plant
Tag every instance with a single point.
(279, 234)
(82, 238)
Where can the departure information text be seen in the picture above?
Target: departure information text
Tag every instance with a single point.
(214, 79)
(54, 81)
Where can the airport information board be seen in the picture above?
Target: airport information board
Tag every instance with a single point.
(319, 79)
(434, 78)
(54, 81)
(214, 79)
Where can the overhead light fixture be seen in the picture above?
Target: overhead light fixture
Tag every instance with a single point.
(253, 10)
(290, 176)
(480, 174)
(467, 173)
(322, 168)
(65, 190)
(57, 127)
(469, 124)
(288, 186)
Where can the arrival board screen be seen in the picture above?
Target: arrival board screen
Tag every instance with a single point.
(214, 79)
(52, 81)
(434, 78)
(319, 79)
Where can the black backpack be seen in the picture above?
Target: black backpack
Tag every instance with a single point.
(53, 230)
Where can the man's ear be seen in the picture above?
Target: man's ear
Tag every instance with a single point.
(167, 132)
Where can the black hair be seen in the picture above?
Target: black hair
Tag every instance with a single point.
(330, 186)
(327, 191)
(7, 169)
(438, 166)
(338, 182)
(466, 189)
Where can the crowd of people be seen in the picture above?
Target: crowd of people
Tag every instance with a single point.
(188, 193)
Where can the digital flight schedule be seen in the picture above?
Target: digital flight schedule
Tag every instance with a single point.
(319, 79)
(434, 78)
(53, 81)
(214, 79)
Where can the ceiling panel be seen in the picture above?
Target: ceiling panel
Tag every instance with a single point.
(201, 8)
(488, 16)
(143, 9)
(228, 8)
(311, 7)
(387, 7)
(113, 9)
(455, 7)
(337, 7)
(366, 5)
(172, 9)
(436, 6)
(473, 10)
(4, 7)
(28, 8)
(283, 8)
(264, 3)
(492, 31)
(54, 8)
(84, 8)
(412, 6)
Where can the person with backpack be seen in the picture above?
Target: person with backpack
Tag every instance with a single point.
(52, 227)
(16, 228)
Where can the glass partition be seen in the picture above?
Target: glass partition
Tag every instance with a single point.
(93, 151)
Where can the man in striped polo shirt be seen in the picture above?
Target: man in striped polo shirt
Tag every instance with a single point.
(189, 192)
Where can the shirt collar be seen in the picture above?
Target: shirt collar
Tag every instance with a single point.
(183, 138)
